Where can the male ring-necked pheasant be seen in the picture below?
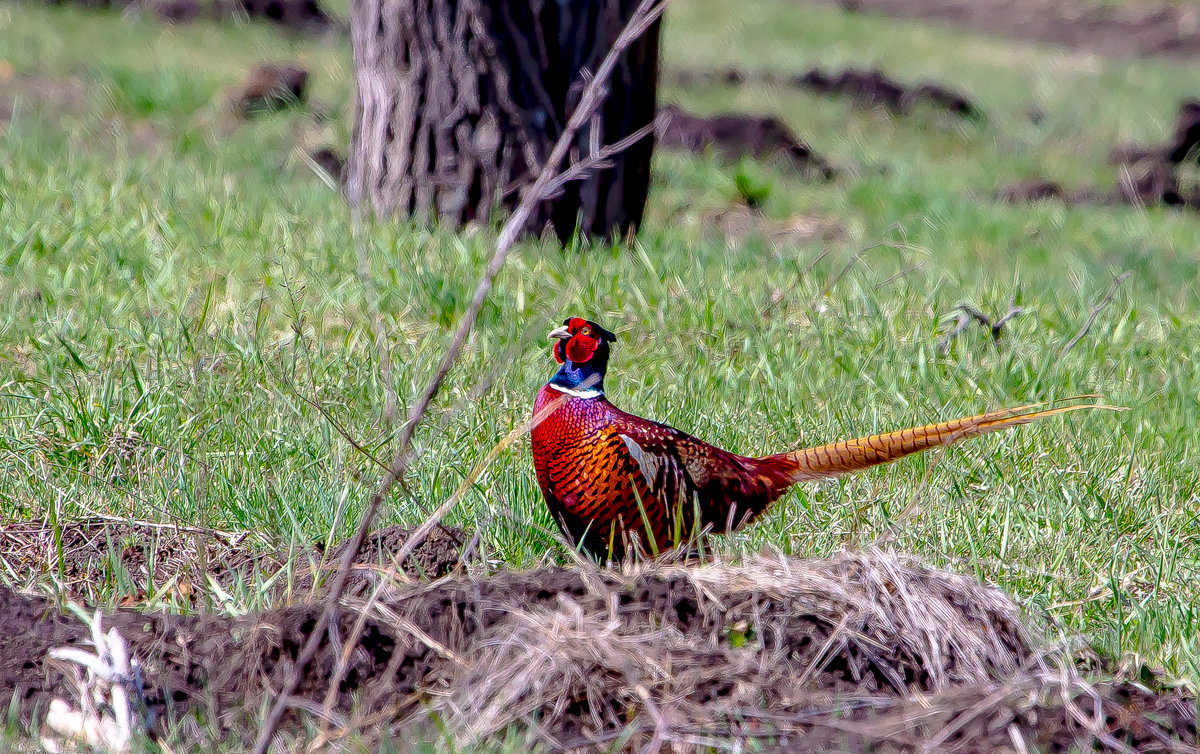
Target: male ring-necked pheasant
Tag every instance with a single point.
(614, 480)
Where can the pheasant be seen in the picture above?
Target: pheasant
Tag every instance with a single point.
(616, 482)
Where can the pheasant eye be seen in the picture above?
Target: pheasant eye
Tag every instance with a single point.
(586, 331)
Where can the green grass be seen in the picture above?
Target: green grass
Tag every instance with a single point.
(171, 271)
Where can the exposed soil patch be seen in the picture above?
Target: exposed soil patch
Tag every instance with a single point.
(80, 554)
(876, 88)
(1150, 175)
(867, 87)
(439, 553)
(332, 162)
(1183, 146)
(1165, 29)
(809, 654)
(729, 134)
(735, 135)
(183, 562)
(270, 87)
(297, 15)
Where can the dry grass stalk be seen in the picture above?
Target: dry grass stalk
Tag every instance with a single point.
(591, 98)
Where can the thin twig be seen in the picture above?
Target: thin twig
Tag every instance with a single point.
(647, 12)
(1013, 310)
(775, 299)
(337, 427)
(599, 159)
(828, 287)
(968, 314)
(1096, 309)
(904, 271)
(385, 368)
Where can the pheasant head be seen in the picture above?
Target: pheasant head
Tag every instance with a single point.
(581, 347)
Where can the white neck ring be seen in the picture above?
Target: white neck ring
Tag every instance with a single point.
(588, 393)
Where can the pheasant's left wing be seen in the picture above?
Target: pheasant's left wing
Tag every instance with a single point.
(676, 467)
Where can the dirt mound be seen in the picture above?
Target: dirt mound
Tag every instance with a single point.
(876, 88)
(268, 88)
(867, 87)
(439, 553)
(1150, 175)
(739, 222)
(78, 554)
(734, 135)
(861, 650)
(1146, 29)
(331, 162)
(184, 562)
(49, 96)
(1184, 144)
(296, 15)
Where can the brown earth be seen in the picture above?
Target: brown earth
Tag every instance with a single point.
(270, 87)
(183, 562)
(861, 651)
(296, 15)
(38, 94)
(738, 223)
(867, 88)
(731, 135)
(332, 162)
(734, 135)
(1147, 28)
(1183, 146)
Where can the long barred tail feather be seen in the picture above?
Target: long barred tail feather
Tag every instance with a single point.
(852, 455)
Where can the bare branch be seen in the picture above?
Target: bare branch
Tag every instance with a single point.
(597, 160)
(415, 538)
(1096, 309)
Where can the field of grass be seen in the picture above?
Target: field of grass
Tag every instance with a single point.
(171, 272)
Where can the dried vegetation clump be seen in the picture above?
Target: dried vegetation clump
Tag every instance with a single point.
(677, 649)
(860, 650)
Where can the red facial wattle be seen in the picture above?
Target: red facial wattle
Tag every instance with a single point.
(580, 348)
(579, 341)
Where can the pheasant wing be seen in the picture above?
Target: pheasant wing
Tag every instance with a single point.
(686, 480)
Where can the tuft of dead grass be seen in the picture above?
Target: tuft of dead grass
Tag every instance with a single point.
(676, 648)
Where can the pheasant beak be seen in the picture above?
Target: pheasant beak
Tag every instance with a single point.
(560, 333)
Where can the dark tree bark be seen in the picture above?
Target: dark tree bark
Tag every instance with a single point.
(457, 102)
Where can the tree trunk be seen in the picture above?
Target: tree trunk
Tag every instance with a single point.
(458, 102)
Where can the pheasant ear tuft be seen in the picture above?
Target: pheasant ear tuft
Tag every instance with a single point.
(606, 335)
